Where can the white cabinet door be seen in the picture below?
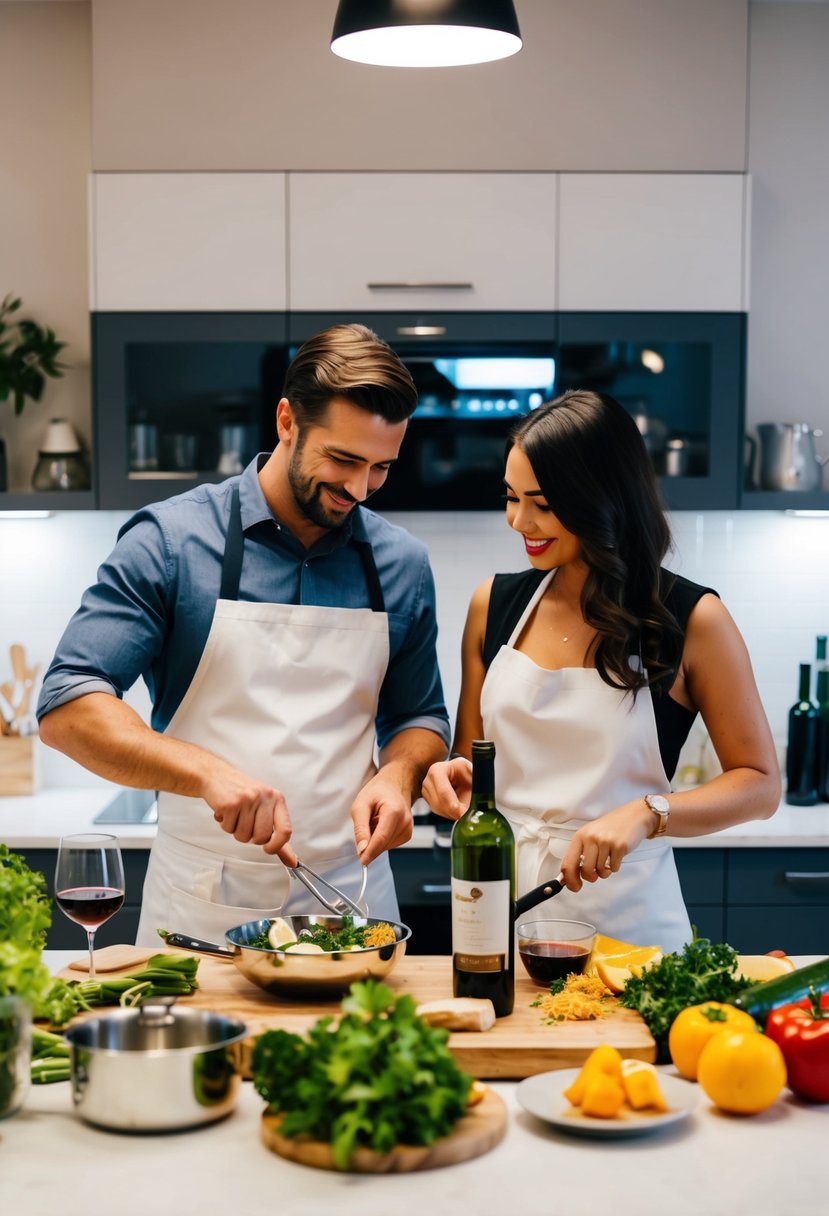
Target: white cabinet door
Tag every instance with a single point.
(652, 242)
(179, 242)
(438, 241)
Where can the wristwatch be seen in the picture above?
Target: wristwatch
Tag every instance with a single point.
(660, 806)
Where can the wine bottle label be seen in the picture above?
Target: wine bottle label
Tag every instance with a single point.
(481, 924)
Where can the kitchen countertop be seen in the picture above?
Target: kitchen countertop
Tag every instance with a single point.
(38, 822)
(711, 1163)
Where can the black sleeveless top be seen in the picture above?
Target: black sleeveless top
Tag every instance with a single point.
(512, 592)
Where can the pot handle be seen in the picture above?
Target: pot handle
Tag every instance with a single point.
(195, 943)
(537, 896)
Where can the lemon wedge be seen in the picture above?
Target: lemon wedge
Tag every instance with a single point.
(762, 967)
(305, 948)
(280, 933)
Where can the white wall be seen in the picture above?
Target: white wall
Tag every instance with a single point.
(599, 85)
(45, 69)
(770, 569)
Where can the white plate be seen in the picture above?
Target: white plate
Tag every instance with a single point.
(543, 1096)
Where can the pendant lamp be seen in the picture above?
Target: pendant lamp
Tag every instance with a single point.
(425, 33)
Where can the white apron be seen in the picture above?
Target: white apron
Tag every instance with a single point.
(287, 693)
(570, 748)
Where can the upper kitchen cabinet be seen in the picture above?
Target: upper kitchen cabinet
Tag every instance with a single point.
(187, 242)
(653, 242)
(471, 242)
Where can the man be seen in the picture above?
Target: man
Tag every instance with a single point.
(282, 630)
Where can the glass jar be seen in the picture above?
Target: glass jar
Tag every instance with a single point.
(15, 1053)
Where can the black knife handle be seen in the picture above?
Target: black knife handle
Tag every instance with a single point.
(195, 943)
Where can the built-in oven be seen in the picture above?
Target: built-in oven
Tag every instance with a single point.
(181, 398)
(475, 374)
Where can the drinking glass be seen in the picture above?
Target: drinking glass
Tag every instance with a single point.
(89, 882)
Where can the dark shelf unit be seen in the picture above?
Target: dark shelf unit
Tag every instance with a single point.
(50, 500)
(784, 500)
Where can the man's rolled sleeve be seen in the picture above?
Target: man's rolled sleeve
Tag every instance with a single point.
(119, 629)
(412, 694)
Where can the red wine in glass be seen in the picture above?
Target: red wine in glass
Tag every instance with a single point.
(89, 906)
(89, 882)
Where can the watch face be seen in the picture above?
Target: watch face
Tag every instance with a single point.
(657, 803)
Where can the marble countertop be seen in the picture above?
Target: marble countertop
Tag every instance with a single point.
(40, 820)
(766, 1165)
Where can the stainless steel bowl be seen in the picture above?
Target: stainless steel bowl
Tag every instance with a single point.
(329, 974)
(155, 1069)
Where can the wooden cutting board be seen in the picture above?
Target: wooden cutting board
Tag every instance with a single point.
(520, 1045)
(477, 1132)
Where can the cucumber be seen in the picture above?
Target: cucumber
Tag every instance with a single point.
(762, 998)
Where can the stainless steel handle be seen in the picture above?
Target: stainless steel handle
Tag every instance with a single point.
(419, 285)
(435, 888)
(421, 331)
(815, 880)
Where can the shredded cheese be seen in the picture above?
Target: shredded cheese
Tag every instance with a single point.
(583, 998)
(380, 934)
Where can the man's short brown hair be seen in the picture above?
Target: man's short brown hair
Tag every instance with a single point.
(349, 361)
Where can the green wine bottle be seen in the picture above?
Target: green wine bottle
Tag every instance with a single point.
(802, 749)
(822, 698)
(483, 892)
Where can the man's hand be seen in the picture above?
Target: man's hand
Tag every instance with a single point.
(448, 787)
(382, 815)
(251, 812)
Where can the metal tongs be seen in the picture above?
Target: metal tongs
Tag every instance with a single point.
(331, 897)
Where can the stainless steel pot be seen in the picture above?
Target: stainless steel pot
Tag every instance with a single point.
(155, 1069)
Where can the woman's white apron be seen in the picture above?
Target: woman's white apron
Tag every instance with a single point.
(569, 748)
(288, 694)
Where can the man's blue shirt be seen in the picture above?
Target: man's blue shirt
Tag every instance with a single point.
(150, 612)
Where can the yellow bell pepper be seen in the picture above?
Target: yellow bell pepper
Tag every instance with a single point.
(693, 1028)
(603, 1061)
(603, 1097)
(641, 1085)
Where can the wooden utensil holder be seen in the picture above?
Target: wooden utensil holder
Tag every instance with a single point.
(18, 765)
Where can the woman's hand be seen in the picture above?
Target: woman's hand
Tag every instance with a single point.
(598, 849)
(448, 787)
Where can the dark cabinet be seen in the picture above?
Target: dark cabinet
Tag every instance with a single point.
(681, 375)
(702, 879)
(181, 398)
(778, 899)
(754, 899)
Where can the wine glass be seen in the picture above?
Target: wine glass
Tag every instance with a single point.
(89, 882)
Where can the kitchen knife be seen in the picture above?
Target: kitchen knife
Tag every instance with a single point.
(185, 942)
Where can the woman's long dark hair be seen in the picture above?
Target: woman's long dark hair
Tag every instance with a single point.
(595, 473)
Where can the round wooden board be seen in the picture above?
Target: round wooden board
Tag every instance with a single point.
(477, 1132)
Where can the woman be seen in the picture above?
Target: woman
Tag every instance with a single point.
(587, 672)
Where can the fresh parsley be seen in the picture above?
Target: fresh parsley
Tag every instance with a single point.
(377, 1078)
(701, 971)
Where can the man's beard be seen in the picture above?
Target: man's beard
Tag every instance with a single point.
(308, 495)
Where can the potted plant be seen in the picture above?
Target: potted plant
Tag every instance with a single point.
(28, 354)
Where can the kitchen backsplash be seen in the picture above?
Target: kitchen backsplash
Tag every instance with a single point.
(767, 567)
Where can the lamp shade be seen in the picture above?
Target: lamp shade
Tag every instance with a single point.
(425, 33)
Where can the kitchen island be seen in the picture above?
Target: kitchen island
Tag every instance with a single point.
(711, 1164)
